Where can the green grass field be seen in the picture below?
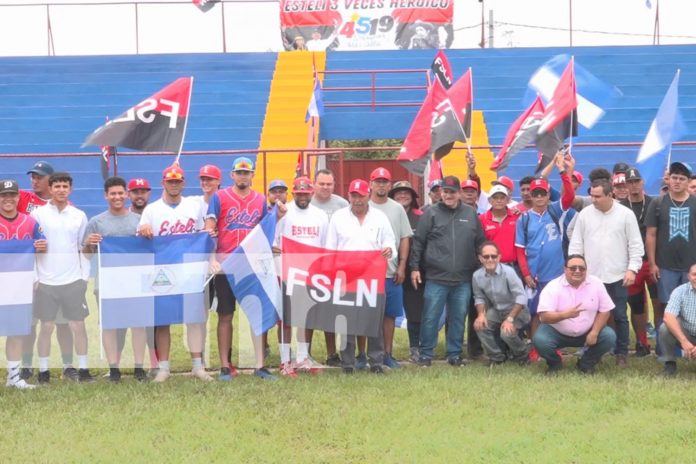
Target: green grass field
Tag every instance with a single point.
(471, 414)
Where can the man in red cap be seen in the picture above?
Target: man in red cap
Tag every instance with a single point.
(210, 177)
(139, 194)
(469, 193)
(380, 184)
(175, 214)
(362, 227)
(306, 224)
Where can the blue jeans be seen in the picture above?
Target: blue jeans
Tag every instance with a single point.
(619, 295)
(456, 297)
(547, 340)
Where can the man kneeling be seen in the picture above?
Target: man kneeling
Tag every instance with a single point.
(573, 310)
(501, 304)
(679, 324)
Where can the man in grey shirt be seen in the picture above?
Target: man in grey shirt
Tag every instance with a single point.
(501, 304)
(117, 221)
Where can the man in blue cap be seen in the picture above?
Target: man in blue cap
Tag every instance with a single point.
(277, 191)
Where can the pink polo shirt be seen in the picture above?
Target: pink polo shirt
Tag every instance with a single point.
(560, 296)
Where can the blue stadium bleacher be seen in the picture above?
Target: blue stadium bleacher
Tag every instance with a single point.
(50, 104)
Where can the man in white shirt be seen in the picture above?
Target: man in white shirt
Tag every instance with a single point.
(63, 272)
(608, 236)
(360, 227)
(306, 224)
(171, 215)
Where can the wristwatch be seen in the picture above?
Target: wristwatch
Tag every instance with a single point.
(510, 319)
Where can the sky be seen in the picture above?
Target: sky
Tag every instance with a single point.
(254, 26)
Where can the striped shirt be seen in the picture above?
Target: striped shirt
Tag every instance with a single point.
(682, 304)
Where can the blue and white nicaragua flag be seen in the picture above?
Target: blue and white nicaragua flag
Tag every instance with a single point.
(315, 109)
(17, 276)
(146, 283)
(251, 271)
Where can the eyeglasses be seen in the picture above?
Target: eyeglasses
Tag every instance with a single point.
(489, 257)
(539, 193)
(577, 268)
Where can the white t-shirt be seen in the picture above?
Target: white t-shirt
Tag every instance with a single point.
(307, 226)
(63, 262)
(183, 218)
(346, 232)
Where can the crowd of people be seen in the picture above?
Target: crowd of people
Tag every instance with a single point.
(522, 280)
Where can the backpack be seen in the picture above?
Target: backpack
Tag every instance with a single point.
(556, 220)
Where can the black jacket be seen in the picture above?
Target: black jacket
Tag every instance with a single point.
(445, 243)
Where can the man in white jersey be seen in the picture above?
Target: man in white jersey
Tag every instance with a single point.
(171, 215)
(306, 224)
(329, 202)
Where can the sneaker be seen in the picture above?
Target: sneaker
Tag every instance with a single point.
(650, 330)
(83, 376)
(225, 374)
(585, 370)
(361, 361)
(333, 360)
(621, 360)
(670, 369)
(70, 373)
(201, 374)
(162, 376)
(26, 373)
(457, 362)
(139, 374)
(533, 355)
(642, 351)
(348, 370)
(425, 362)
(264, 374)
(379, 370)
(390, 362)
(44, 377)
(286, 370)
(114, 375)
(19, 383)
(308, 366)
(152, 372)
(414, 354)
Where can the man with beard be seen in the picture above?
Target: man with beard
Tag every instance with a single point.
(139, 194)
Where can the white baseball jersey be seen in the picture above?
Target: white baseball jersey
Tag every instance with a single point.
(307, 226)
(183, 218)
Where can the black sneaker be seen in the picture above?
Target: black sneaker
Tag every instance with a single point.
(114, 375)
(139, 374)
(44, 377)
(585, 370)
(70, 373)
(85, 377)
(493, 363)
(670, 369)
(348, 370)
(333, 360)
(26, 373)
(379, 370)
(457, 362)
(425, 362)
(642, 351)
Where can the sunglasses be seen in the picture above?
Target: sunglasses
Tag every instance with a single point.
(539, 193)
(577, 268)
(489, 257)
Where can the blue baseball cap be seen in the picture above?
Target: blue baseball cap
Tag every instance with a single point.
(435, 184)
(679, 167)
(243, 164)
(277, 183)
(42, 168)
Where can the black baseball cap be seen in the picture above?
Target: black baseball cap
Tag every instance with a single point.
(620, 167)
(679, 167)
(42, 168)
(451, 183)
(9, 186)
(633, 174)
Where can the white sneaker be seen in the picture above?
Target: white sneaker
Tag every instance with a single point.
(202, 374)
(20, 384)
(161, 376)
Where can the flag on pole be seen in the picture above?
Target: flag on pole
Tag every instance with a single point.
(562, 102)
(442, 69)
(157, 123)
(146, 283)
(17, 276)
(667, 127)
(593, 94)
(315, 109)
(522, 132)
(252, 275)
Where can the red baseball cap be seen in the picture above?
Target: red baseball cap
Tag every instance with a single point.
(506, 182)
(539, 184)
(578, 176)
(359, 186)
(210, 170)
(173, 173)
(619, 178)
(302, 185)
(469, 184)
(380, 173)
(138, 183)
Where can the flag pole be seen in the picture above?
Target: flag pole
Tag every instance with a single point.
(188, 111)
(570, 136)
(99, 296)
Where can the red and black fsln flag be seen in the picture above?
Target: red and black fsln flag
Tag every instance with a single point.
(157, 123)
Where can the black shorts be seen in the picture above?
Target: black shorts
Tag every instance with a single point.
(69, 298)
(226, 300)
